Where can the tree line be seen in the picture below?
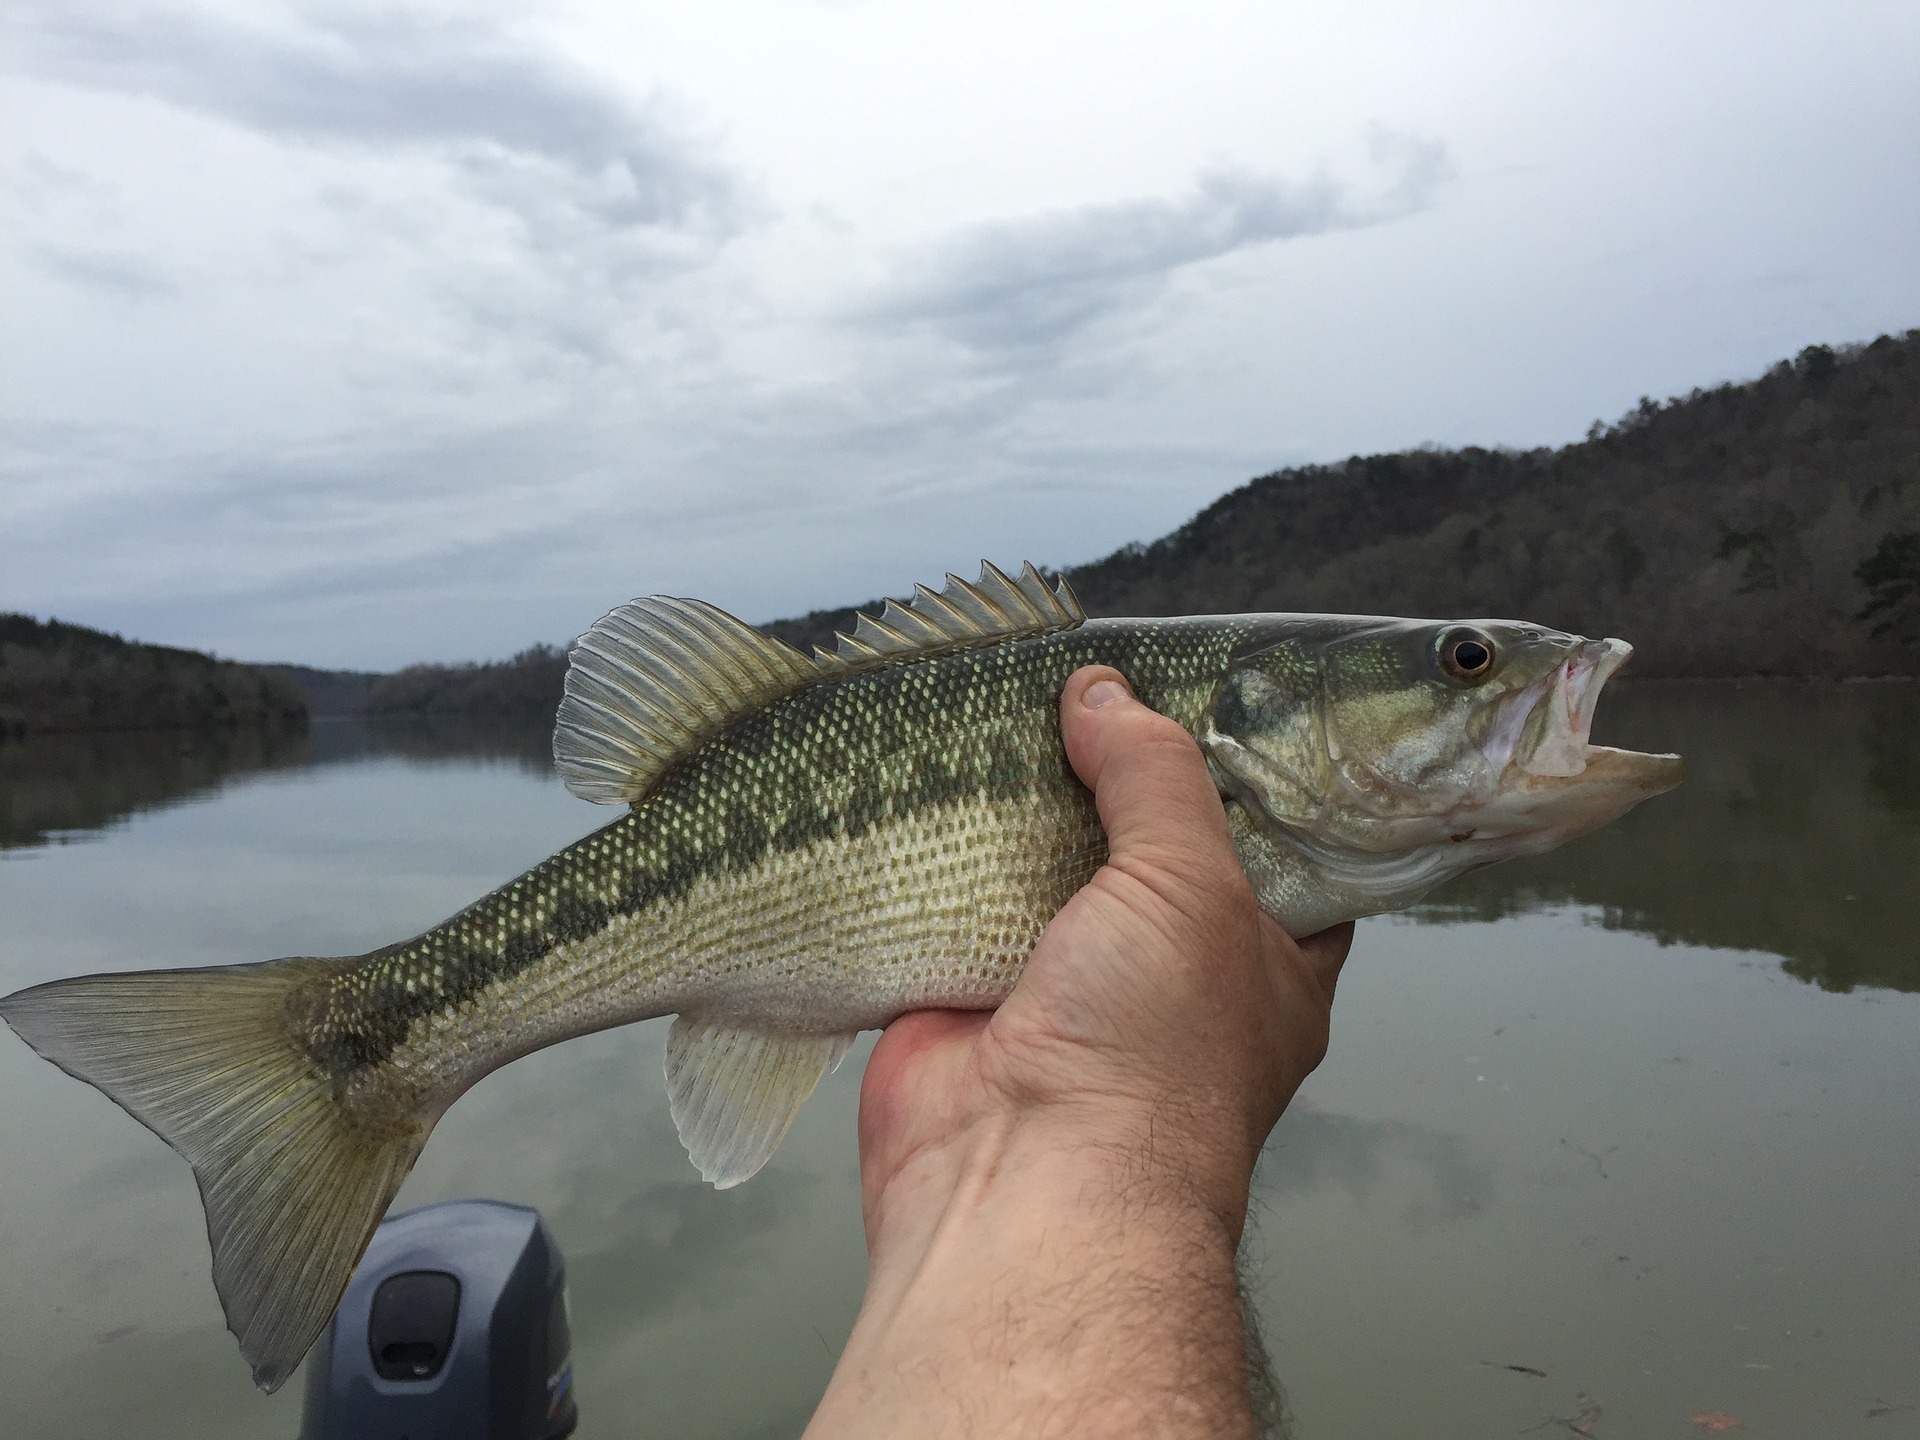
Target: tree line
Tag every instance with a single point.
(60, 677)
(1765, 528)
(528, 685)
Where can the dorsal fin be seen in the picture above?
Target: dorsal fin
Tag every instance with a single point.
(654, 679)
(659, 677)
(993, 608)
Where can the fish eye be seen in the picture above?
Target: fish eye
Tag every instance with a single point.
(1466, 654)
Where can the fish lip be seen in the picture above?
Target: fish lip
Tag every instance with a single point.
(1644, 771)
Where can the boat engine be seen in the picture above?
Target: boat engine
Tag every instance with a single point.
(454, 1327)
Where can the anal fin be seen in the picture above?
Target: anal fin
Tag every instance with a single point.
(734, 1092)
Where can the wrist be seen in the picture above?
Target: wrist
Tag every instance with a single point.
(1067, 1267)
(1124, 1161)
(1100, 1158)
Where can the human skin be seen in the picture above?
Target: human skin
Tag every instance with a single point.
(1054, 1191)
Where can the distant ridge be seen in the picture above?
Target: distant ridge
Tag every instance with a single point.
(1765, 528)
(526, 687)
(330, 694)
(60, 677)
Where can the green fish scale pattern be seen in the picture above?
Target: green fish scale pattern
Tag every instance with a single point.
(833, 761)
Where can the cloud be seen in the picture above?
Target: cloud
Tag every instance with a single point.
(473, 328)
(1041, 280)
(519, 123)
(116, 273)
(465, 208)
(491, 95)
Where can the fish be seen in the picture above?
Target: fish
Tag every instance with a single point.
(813, 845)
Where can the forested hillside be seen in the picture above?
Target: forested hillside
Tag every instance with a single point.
(1766, 528)
(528, 684)
(58, 677)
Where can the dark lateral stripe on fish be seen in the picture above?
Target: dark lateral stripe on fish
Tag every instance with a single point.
(373, 1007)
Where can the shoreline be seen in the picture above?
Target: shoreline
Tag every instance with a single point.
(7, 735)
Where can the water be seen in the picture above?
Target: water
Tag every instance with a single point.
(1643, 1115)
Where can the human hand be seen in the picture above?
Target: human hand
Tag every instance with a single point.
(1102, 1125)
(1161, 1010)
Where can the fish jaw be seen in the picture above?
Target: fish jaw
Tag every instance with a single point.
(1547, 811)
(1562, 713)
(1554, 782)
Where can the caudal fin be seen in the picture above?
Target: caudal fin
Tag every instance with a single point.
(206, 1060)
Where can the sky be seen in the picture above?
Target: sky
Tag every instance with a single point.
(356, 335)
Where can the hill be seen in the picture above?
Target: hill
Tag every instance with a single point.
(528, 684)
(60, 677)
(1764, 528)
(330, 694)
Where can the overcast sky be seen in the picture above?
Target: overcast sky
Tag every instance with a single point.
(360, 334)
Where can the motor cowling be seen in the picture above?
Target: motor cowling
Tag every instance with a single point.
(454, 1327)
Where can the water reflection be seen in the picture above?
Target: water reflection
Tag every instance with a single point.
(1796, 832)
(1893, 747)
(1433, 1176)
(526, 743)
(1666, 1177)
(56, 788)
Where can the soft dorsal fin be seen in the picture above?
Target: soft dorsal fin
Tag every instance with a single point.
(659, 677)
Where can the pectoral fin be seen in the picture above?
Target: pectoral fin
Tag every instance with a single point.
(734, 1092)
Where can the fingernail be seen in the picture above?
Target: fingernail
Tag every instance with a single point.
(1103, 692)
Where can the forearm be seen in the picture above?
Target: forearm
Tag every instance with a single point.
(1026, 1287)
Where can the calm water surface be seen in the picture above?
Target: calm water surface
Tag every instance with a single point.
(1643, 1115)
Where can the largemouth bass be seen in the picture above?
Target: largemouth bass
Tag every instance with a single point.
(814, 846)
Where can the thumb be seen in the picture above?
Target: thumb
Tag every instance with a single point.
(1157, 801)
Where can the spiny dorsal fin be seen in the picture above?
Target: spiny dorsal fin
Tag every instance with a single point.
(654, 679)
(993, 608)
(659, 677)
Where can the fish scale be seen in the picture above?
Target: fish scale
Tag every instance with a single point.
(955, 735)
(816, 845)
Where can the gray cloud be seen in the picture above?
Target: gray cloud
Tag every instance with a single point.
(493, 99)
(117, 273)
(458, 352)
(499, 212)
(1037, 281)
(1433, 1177)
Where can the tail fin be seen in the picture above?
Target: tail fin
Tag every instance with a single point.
(205, 1059)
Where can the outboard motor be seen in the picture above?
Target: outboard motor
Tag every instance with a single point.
(453, 1328)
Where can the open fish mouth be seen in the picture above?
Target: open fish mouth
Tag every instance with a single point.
(1560, 719)
(1545, 731)
(1553, 781)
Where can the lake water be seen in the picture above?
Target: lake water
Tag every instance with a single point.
(1607, 1139)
